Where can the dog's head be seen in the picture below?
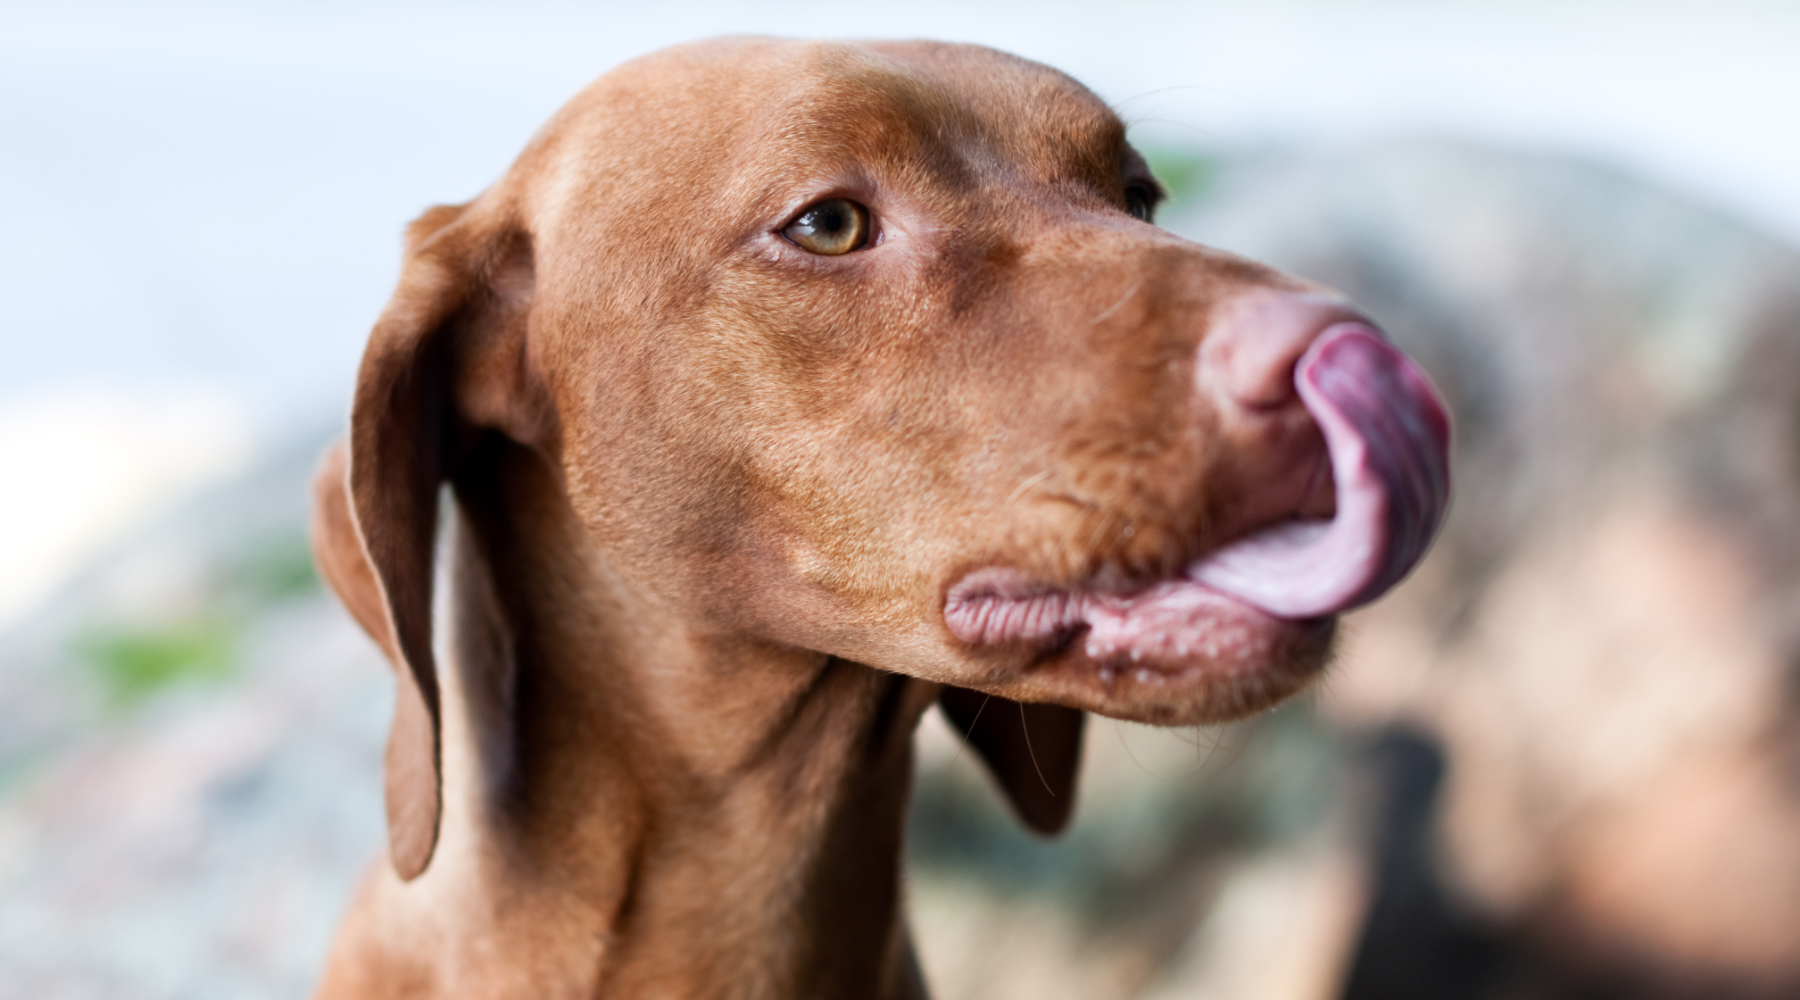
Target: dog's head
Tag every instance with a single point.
(874, 350)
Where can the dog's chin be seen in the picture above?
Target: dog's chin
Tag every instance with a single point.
(1175, 653)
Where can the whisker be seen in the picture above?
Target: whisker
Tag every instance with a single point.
(1119, 731)
(1129, 292)
(1026, 729)
(1124, 533)
(1119, 107)
(963, 743)
(1026, 485)
(1101, 521)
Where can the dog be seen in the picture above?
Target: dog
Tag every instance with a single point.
(784, 389)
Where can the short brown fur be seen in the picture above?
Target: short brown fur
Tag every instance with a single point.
(710, 492)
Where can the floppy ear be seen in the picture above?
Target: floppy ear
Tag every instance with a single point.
(376, 501)
(1033, 751)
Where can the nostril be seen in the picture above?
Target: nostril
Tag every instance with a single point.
(1257, 338)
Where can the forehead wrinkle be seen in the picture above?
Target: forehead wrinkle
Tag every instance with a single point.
(1033, 115)
(858, 112)
(910, 108)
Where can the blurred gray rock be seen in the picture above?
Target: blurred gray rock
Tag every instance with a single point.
(1602, 644)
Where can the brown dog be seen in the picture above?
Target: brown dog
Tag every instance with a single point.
(784, 389)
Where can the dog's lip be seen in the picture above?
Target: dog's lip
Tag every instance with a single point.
(1156, 620)
(1176, 652)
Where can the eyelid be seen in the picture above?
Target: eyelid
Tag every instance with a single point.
(862, 233)
(814, 201)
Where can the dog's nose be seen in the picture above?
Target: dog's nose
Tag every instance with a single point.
(1386, 432)
(1256, 338)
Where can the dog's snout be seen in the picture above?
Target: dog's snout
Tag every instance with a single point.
(1255, 339)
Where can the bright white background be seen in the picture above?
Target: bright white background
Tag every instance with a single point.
(200, 205)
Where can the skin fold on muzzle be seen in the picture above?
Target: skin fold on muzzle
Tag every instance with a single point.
(785, 389)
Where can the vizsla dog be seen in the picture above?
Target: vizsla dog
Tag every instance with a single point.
(784, 389)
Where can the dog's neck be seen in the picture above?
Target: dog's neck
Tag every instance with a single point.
(645, 809)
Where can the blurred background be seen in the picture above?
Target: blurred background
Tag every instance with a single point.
(1563, 760)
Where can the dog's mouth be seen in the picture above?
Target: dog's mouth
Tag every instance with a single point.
(1240, 607)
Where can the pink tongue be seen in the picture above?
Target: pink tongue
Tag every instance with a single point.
(1389, 439)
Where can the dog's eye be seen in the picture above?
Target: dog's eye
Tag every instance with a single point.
(1140, 202)
(832, 227)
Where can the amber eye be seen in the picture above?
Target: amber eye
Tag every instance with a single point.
(832, 227)
(1140, 202)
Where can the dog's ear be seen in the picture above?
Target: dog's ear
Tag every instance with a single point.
(431, 359)
(412, 779)
(1033, 751)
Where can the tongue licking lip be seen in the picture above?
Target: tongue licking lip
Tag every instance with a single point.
(1389, 438)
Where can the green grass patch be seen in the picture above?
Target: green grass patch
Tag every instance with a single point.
(132, 664)
(134, 660)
